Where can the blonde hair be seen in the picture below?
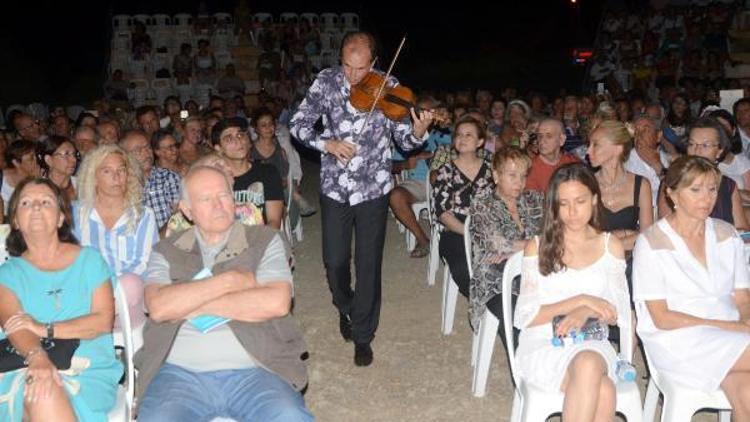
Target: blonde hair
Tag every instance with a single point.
(86, 182)
(618, 134)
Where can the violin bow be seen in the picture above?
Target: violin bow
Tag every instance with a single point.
(381, 88)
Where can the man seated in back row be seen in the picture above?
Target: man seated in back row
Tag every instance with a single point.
(251, 366)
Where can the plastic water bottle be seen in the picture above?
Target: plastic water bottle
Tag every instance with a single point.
(625, 371)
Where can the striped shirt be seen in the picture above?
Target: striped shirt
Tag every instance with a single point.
(126, 249)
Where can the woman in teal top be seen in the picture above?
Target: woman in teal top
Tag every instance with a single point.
(54, 288)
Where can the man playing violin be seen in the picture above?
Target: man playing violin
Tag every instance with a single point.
(355, 178)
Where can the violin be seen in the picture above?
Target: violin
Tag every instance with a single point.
(395, 102)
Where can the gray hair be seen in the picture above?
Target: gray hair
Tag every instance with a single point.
(197, 169)
(644, 116)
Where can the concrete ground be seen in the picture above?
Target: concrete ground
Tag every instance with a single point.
(418, 374)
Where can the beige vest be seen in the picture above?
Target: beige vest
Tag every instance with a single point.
(276, 344)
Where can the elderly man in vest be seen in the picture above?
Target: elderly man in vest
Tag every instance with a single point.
(219, 341)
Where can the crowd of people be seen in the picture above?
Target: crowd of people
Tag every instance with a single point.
(615, 204)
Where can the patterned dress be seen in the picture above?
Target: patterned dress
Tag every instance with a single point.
(493, 232)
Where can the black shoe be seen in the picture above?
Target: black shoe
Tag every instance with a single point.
(362, 354)
(345, 326)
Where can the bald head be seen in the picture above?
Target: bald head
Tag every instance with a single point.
(356, 56)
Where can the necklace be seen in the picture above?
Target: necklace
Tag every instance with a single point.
(611, 188)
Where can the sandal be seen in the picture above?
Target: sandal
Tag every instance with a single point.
(420, 251)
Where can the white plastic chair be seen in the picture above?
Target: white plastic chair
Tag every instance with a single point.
(121, 22)
(350, 21)
(123, 409)
(680, 402)
(139, 92)
(312, 18)
(144, 19)
(161, 21)
(293, 231)
(484, 339)
(434, 259)
(162, 88)
(417, 209)
(289, 18)
(182, 20)
(223, 20)
(329, 20)
(533, 404)
(121, 40)
(262, 17)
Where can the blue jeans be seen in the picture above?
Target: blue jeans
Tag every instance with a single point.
(176, 394)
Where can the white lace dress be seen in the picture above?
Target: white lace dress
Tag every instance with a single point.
(665, 269)
(538, 361)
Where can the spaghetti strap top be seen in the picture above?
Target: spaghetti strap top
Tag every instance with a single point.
(626, 218)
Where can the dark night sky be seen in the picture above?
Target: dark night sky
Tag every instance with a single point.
(54, 50)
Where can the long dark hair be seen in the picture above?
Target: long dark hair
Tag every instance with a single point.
(48, 147)
(551, 242)
(15, 243)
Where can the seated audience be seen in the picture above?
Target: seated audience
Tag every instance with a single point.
(257, 183)
(20, 163)
(252, 367)
(80, 306)
(246, 213)
(690, 285)
(502, 221)
(161, 188)
(110, 216)
(550, 137)
(166, 150)
(625, 197)
(457, 183)
(707, 139)
(85, 139)
(575, 271)
(58, 159)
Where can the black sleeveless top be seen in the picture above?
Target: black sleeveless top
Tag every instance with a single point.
(723, 207)
(626, 218)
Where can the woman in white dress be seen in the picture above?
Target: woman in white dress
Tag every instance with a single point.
(576, 271)
(690, 284)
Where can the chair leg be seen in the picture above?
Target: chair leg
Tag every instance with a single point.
(676, 410)
(474, 347)
(515, 411)
(450, 297)
(725, 416)
(487, 334)
(649, 404)
(433, 262)
(411, 241)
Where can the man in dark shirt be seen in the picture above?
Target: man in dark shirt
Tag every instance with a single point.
(257, 183)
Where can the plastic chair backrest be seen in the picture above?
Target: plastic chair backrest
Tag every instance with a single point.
(511, 270)
(467, 244)
(123, 317)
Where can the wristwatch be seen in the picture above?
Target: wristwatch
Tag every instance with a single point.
(50, 329)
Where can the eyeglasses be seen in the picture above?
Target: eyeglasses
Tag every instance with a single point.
(704, 146)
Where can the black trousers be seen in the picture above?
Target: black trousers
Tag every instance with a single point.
(453, 251)
(367, 221)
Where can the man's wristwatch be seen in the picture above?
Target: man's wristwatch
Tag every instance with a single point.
(50, 329)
